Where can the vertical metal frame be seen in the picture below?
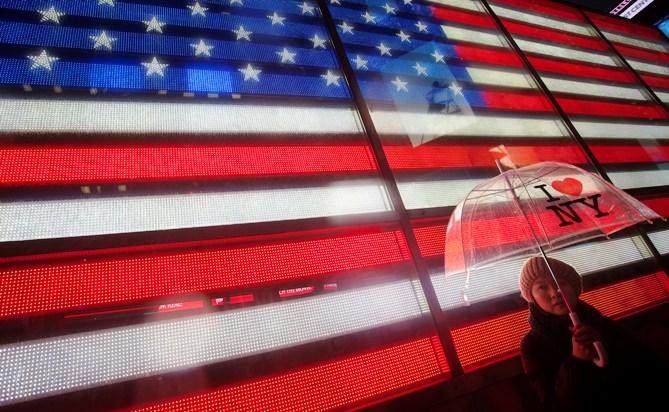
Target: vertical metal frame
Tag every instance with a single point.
(440, 319)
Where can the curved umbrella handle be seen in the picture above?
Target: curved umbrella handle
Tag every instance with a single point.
(602, 358)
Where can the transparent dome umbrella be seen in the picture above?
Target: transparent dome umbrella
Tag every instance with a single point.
(534, 210)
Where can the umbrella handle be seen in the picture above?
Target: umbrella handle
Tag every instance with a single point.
(602, 358)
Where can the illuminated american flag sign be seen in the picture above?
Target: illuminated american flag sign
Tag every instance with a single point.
(192, 215)
(187, 192)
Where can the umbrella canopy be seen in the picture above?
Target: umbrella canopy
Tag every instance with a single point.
(549, 205)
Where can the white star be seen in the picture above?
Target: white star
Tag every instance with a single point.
(197, 9)
(455, 88)
(286, 56)
(318, 42)
(108, 2)
(400, 84)
(236, 1)
(331, 78)
(360, 63)
(154, 66)
(407, 2)
(51, 15)
(422, 27)
(389, 9)
(276, 19)
(345, 28)
(250, 73)
(102, 40)
(306, 8)
(202, 48)
(335, 2)
(154, 25)
(420, 69)
(383, 49)
(369, 18)
(438, 57)
(42, 60)
(243, 34)
(404, 37)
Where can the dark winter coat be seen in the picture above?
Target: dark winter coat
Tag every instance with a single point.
(561, 382)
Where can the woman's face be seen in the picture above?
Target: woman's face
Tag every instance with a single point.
(548, 298)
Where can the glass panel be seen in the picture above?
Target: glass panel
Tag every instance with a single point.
(191, 212)
(661, 241)
(444, 88)
(610, 109)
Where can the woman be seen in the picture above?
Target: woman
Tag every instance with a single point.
(557, 358)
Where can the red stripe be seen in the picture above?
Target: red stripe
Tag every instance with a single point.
(629, 296)
(498, 57)
(337, 384)
(643, 54)
(656, 81)
(548, 9)
(498, 338)
(507, 230)
(91, 280)
(50, 164)
(610, 109)
(530, 101)
(626, 27)
(555, 36)
(431, 239)
(436, 155)
(630, 153)
(659, 204)
(460, 16)
(544, 64)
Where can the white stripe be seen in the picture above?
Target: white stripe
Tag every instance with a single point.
(607, 130)
(432, 125)
(557, 51)
(39, 115)
(640, 178)
(424, 194)
(24, 220)
(661, 241)
(435, 193)
(39, 368)
(647, 67)
(645, 44)
(593, 89)
(482, 76)
(461, 4)
(474, 36)
(541, 20)
(502, 279)
(501, 78)
(664, 96)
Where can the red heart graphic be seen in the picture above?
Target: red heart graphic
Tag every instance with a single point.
(568, 186)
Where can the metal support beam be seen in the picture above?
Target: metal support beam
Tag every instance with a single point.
(439, 317)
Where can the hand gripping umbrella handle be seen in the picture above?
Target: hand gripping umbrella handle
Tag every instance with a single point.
(602, 358)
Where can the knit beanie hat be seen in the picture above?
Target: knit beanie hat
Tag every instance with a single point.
(535, 267)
